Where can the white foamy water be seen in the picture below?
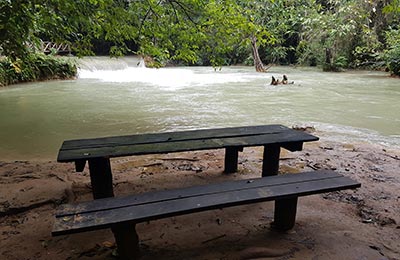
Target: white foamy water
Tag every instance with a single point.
(172, 78)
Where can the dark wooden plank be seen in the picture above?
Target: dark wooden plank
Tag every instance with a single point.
(173, 136)
(285, 137)
(150, 197)
(294, 146)
(180, 206)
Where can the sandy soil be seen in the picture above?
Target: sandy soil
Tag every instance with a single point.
(361, 224)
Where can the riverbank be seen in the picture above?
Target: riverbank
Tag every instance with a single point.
(361, 224)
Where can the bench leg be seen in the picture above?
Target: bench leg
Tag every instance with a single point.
(285, 214)
(231, 159)
(271, 160)
(127, 241)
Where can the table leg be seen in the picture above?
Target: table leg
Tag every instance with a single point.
(271, 160)
(125, 234)
(101, 178)
(231, 159)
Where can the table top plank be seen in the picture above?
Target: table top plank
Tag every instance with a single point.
(149, 138)
(180, 142)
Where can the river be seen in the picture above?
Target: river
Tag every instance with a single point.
(120, 97)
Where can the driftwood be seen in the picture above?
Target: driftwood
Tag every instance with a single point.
(178, 159)
(213, 239)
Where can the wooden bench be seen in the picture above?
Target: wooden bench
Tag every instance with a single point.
(110, 212)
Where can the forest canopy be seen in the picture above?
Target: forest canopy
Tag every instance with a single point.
(333, 34)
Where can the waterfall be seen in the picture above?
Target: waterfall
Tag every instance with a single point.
(110, 64)
(132, 69)
(141, 63)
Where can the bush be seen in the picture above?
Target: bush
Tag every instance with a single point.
(34, 67)
(338, 64)
(392, 55)
(367, 58)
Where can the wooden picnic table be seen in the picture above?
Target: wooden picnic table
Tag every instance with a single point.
(98, 151)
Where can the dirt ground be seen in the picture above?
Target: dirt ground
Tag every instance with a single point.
(361, 224)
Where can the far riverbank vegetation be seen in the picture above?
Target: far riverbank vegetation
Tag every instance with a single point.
(332, 34)
(36, 67)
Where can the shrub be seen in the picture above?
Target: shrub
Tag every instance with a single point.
(392, 54)
(367, 58)
(34, 67)
(338, 64)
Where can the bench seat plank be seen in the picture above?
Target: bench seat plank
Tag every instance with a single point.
(92, 216)
(150, 197)
(182, 141)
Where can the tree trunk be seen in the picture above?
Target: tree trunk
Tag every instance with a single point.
(380, 21)
(256, 57)
(328, 65)
(328, 56)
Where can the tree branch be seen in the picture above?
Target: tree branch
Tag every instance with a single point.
(184, 9)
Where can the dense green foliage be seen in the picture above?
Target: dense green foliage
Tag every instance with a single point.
(333, 34)
(392, 54)
(34, 67)
(343, 34)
